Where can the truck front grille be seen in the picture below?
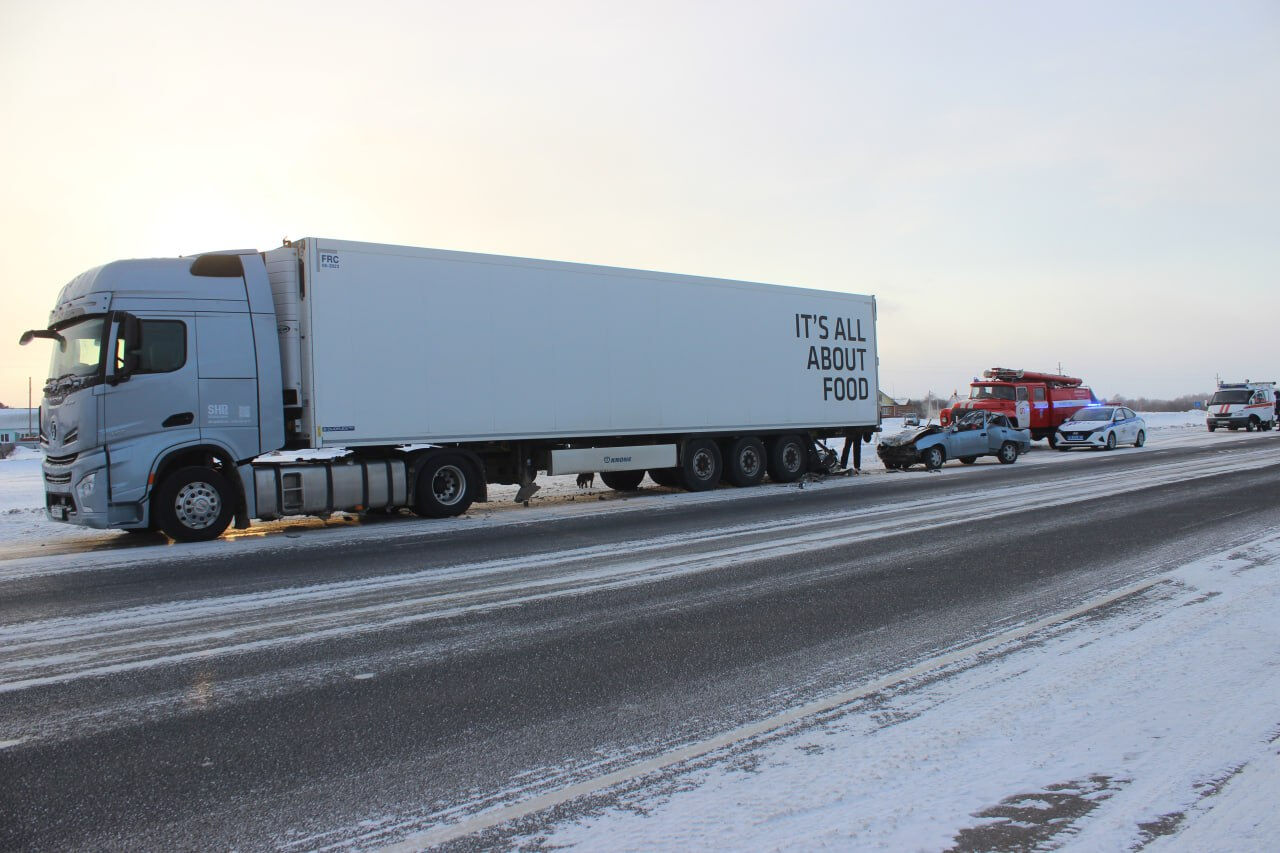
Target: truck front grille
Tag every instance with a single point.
(58, 479)
(61, 460)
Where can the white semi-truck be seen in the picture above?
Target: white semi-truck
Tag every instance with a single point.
(439, 372)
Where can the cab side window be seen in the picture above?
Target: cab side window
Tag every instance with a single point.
(1039, 395)
(162, 346)
(1022, 392)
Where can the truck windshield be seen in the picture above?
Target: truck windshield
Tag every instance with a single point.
(1235, 395)
(991, 392)
(79, 354)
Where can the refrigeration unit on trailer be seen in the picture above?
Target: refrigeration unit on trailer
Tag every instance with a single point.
(435, 373)
(1242, 405)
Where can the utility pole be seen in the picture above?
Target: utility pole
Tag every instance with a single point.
(28, 406)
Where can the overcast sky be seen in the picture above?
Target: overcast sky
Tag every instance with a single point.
(1091, 185)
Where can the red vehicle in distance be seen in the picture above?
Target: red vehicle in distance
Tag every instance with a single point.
(1039, 402)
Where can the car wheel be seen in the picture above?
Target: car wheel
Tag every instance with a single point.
(193, 504)
(1254, 425)
(933, 458)
(1111, 441)
(1008, 453)
(1141, 439)
(968, 460)
(1212, 427)
(622, 481)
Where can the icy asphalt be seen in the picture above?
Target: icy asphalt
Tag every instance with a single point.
(366, 689)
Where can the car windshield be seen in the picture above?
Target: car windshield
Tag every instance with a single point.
(79, 353)
(970, 418)
(991, 392)
(1093, 413)
(1235, 395)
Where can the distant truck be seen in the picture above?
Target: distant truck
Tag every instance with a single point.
(1247, 405)
(439, 372)
(1039, 402)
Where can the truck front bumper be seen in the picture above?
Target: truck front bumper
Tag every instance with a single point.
(75, 491)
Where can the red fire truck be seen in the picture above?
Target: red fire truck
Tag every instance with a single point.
(1037, 401)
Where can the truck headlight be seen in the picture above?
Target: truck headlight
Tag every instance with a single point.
(84, 489)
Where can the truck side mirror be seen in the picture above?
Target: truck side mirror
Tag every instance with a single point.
(129, 340)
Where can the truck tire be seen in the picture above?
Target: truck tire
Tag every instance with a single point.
(446, 486)
(1007, 454)
(193, 504)
(1052, 438)
(1254, 425)
(746, 463)
(933, 457)
(622, 481)
(1141, 439)
(701, 466)
(668, 477)
(788, 458)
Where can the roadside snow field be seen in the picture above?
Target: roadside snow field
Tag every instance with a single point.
(1153, 723)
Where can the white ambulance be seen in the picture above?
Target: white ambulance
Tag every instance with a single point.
(1251, 405)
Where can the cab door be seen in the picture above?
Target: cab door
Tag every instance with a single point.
(1022, 408)
(151, 398)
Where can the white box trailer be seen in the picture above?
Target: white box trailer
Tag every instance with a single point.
(443, 371)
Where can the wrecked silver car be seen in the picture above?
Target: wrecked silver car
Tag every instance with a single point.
(974, 433)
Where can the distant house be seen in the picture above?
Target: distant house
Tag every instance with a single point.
(891, 408)
(19, 426)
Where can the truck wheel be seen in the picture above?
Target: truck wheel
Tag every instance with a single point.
(445, 487)
(1254, 425)
(622, 481)
(1141, 439)
(1052, 438)
(1007, 454)
(668, 477)
(193, 504)
(933, 458)
(1111, 441)
(700, 469)
(968, 460)
(788, 458)
(746, 463)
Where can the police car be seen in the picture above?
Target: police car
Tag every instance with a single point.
(1102, 427)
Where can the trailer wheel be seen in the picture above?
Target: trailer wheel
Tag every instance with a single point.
(746, 463)
(788, 458)
(668, 477)
(1141, 439)
(194, 504)
(701, 466)
(933, 457)
(1008, 453)
(446, 486)
(622, 481)
(968, 460)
